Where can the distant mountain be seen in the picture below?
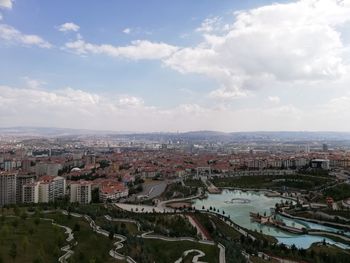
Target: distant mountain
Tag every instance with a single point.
(291, 135)
(193, 136)
(47, 131)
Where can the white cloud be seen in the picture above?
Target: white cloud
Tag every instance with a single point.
(294, 42)
(127, 31)
(6, 4)
(227, 93)
(69, 26)
(1, 17)
(274, 99)
(41, 107)
(339, 105)
(130, 101)
(34, 83)
(12, 35)
(210, 25)
(138, 49)
(291, 43)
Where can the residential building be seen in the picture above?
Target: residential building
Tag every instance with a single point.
(22, 179)
(7, 188)
(320, 163)
(51, 188)
(30, 193)
(113, 191)
(80, 192)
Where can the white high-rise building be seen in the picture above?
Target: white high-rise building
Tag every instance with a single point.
(51, 188)
(80, 192)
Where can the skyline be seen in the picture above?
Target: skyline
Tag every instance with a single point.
(168, 67)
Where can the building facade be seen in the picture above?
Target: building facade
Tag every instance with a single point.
(7, 188)
(80, 192)
(22, 179)
(30, 193)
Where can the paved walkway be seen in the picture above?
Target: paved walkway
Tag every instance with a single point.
(119, 244)
(326, 223)
(162, 204)
(327, 216)
(144, 208)
(124, 220)
(222, 257)
(200, 254)
(200, 230)
(148, 235)
(317, 232)
(67, 248)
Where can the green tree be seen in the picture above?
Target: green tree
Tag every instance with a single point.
(76, 227)
(24, 216)
(37, 221)
(95, 195)
(16, 210)
(4, 233)
(38, 259)
(111, 235)
(13, 251)
(15, 223)
(25, 243)
(2, 218)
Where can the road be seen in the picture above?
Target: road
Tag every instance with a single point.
(150, 190)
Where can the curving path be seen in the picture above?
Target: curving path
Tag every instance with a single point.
(124, 220)
(326, 223)
(148, 235)
(200, 254)
(222, 257)
(162, 205)
(66, 248)
(118, 244)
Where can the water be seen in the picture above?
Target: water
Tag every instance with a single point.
(309, 225)
(259, 203)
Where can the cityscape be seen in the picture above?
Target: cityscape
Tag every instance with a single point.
(174, 131)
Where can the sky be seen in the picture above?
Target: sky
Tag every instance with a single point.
(164, 65)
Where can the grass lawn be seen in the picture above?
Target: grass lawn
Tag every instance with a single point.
(131, 228)
(305, 182)
(341, 254)
(338, 192)
(216, 226)
(90, 244)
(164, 252)
(25, 241)
(194, 183)
(260, 260)
(342, 213)
(176, 190)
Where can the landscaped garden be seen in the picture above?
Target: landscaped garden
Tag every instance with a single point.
(29, 240)
(338, 192)
(303, 182)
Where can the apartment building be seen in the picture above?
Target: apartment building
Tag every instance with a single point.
(7, 188)
(47, 168)
(30, 193)
(80, 192)
(23, 179)
(113, 191)
(51, 188)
